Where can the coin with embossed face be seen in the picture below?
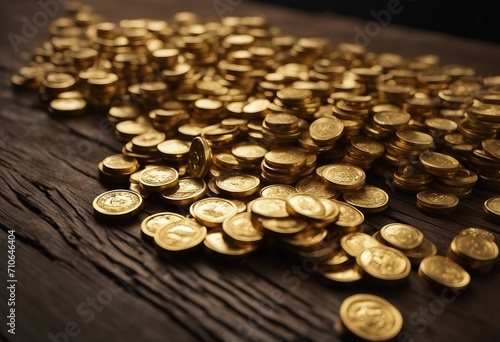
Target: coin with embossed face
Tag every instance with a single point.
(278, 191)
(401, 236)
(440, 271)
(492, 208)
(386, 265)
(305, 206)
(237, 185)
(478, 231)
(286, 157)
(119, 164)
(241, 228)
(312, 186)
(117, 204)
(436, 202)
(370, 317)
(368, 199)
(182, 235)
(343, 177)
(326, 130)
(474, 248)
(159, 178)
(189, 191)
(152, 223)
(212, 211)
(355, 243)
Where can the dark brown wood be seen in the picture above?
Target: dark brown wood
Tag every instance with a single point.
(48, 179)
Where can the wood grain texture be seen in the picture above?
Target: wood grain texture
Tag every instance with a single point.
(48, 179)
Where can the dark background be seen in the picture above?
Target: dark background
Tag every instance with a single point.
(478, 19)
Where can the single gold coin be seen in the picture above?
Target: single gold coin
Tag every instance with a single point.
(370, 317)
(270, 207)
(286, 158)
(212, 211)
(492, 207)
(344, 177)
(189, 190)
(117, 204)
(293, 94)
(152, 223)
(349, 217)
(440, 271)
(368, 199)
(305, 206)
(332, 213)
(436, 202)
(438, 162)
(148, 141)
(337, 261)
(416, 255)
(200, 157)
(491, 148)
(216, 244)
(401, 236)
(249, 151)
(241, 228)
(474, 247)
(326, 130)
(478, 232)
(278, 191)
(385, 264)
(159, 178)
(284, 226)
(67, 106)
(312, 186)
(120, 164)
(355, 243)
(237, 185)
(180, 236)
(174, 149)
(367, 147)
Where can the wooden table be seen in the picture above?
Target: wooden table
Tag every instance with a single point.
(80, 280)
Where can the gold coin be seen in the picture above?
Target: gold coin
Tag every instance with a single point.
(391, 119)
(433, 201)
(355, 243)
(326, 130)
(212, 211)
(200, 157)
(349, 275)
(478, 231)
(159, 178)
(349, 217)
(288, 225)
(368, 199)
(306, 238)
(147, 141)
(311, 186)
(270, 207)
(292, 94)
(474, 247)
(401, 236)
(278, 191)
(286, 158)
(249, 151)
(305, 206)
(492, 207)
(367, 147)
(332, 213)
(441, 271)
(189, 191)
(241, 228)
(415, 138)
(385, 264)
(152, 223)
(67, 106)
(337, 261)
(281, 122)
(117, 204)
(120, 164)
(416, 255)
(370, 317)
(237, 185)
(180, 236)
(174, 149)
(438, 161)
(344, 177)
(215, 243)
(491, 148)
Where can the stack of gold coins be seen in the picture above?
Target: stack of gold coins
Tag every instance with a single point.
(390, 92)
(475, 249)
(117, 168)
(208, 111)
(384, 124)
(298, 102)
(369, 77)
(460, 185)
(121, 113)
(480, 122)
(174, 151)
(103, 90)
(312, 186)
(325, 131)
(168, 120)
(439, 127)
(346, 106)
(492, 208)
(280, 129)
(55, 84)
(407, 239)
(369, 199)
(128, 129)
(438, 272)
(360, 318)
(363, 151)
(286, 166)
(434, 202)
(411, 179)
(457, 146)
(439, 164)
(405, 148)
(486, 163)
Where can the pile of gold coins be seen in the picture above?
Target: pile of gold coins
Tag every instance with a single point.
(254, 136)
